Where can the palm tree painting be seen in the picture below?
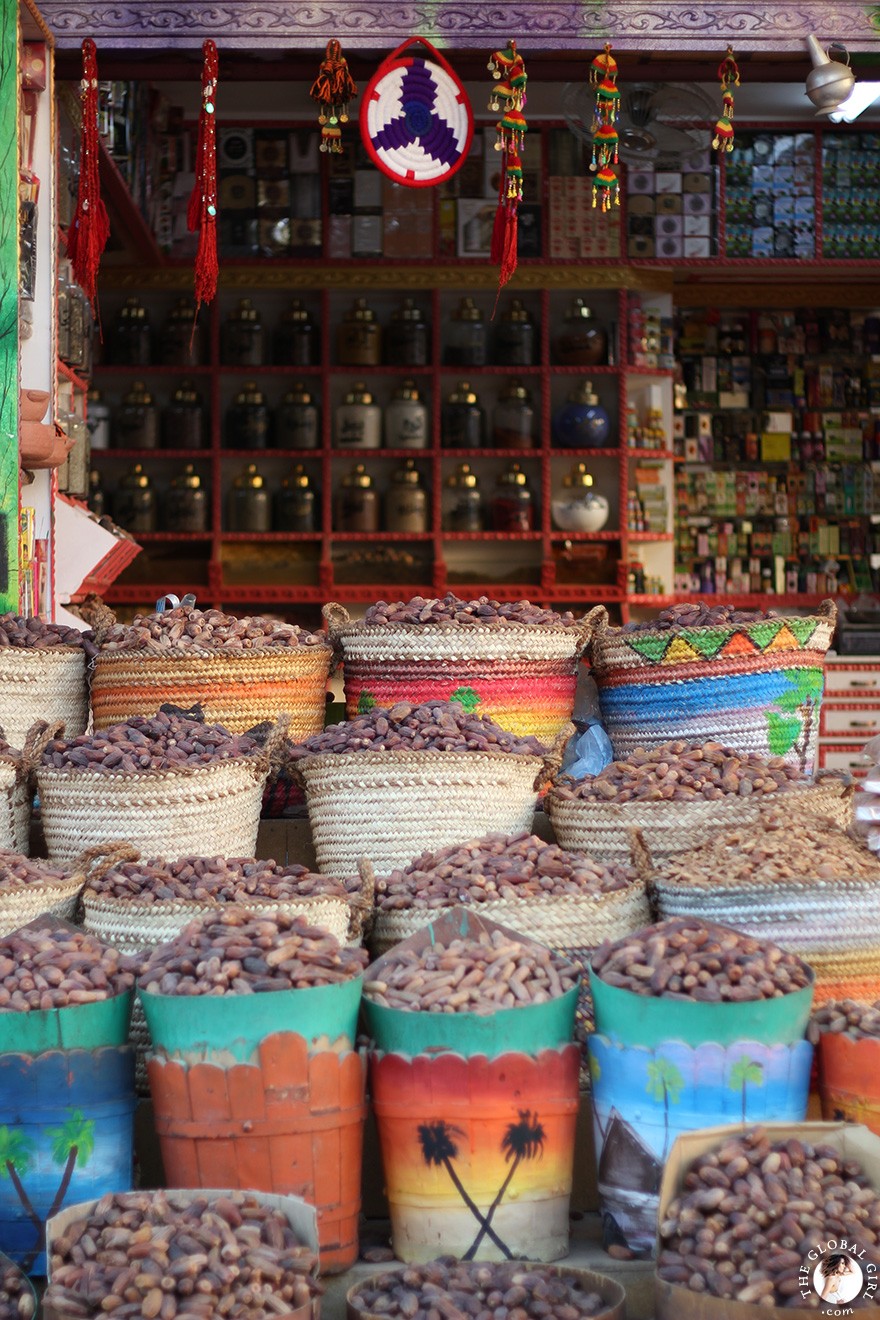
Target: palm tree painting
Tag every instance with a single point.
(665, 1083)
(72, 1145)
(523, 1140)
(745, 1070)
(16, 1156)
(437, 1141)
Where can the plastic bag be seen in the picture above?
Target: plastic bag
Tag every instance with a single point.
(588, 752)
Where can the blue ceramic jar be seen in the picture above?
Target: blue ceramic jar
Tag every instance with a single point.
(581, 422)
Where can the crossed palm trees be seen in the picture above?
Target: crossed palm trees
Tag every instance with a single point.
(523, 1140)
(72, 1144)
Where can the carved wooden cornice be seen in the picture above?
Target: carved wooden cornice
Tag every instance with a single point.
(633, 25)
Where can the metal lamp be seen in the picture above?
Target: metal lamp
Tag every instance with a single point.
(829, 82)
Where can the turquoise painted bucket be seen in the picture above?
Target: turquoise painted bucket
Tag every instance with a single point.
(633, 1019)
(235, 1025)
(80, 1027)
(527, 1030)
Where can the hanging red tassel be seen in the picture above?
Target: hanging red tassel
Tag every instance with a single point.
(508, 96)
(90, 228)
(333, 89)
(202, 211)
(728, 77)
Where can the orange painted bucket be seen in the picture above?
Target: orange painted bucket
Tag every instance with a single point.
(849, 1079)
(289, 1121)
(478, 1153)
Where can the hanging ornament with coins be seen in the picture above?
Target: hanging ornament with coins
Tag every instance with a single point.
(201, 213)
(334, 89)
(508, 99)
(728, 77)
(603, 77)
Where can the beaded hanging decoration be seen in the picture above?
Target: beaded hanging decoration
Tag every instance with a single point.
(603, 77)
(90, 227)
(508, 97)
(333, 89)
(202, 211)
(728, 76)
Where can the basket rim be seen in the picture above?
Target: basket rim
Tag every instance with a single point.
(826, 785)
(359, 627)
(320, 759)
(75, 880)
(140, 654)
(611, 630)
(62, 773)
(547, 902)
(163, 905)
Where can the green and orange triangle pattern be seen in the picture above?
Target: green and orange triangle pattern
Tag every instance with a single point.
(706, 643)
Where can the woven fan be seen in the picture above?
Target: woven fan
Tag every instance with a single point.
(416, 119)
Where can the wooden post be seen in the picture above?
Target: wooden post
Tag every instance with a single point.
(9, 270)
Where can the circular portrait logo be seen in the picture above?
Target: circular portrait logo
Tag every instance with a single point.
(838, 1279)
(838, 1273)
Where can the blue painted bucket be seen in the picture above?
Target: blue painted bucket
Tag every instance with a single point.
(66, 1135)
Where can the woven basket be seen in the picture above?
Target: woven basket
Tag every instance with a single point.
(385, 805)
(522, 676)
(47, 685)
(238, 690)
(602, 829)
(15, 808)
(756, 687)
(22, 903)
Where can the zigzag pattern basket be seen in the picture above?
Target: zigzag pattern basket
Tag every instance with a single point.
(756, 687)
(238, 690)
(522, 676)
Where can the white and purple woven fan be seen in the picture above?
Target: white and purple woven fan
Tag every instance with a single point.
(416, 119)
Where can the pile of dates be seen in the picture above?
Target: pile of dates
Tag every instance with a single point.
(145, 744)
(213, 880)
(50, 967)
(443, 726)
(697, 614)
(449, 611)
(683, 772)
(845, 1017)
(16, 870)
(16, 1298)
(187, 629)
(33, 633)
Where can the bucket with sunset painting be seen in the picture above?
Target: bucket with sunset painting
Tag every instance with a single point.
(849, 1078)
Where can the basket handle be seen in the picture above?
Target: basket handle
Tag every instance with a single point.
(554, 758)
(363, 902)
(583, 631)
(828, 610)
(38, 737)
(102, 619)
(337, 617)
(188, 602)
(272, 751)
(640, 854)
(106, 855)
(597, 620)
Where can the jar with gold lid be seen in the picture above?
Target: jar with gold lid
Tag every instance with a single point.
(513, 421)
(406, 419)
(242, 338)
(581, 422)
(185, 505)
(136, 420)
(463, 420)
(134, 502)
(298, 419)
(513, 508)
(406, 504)
(248, 420)
(293, 505)
(466, 336)
(464, 512)
(516, 337)
(182, 342)
(356, 507)
(579, 508)
(582, 342)
(406, 338)
(97, 497)
(248, 508)
(296, 342)
(359, 337)
(183, 419)
(131, 335)
(358, 420)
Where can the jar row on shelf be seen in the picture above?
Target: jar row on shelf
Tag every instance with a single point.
(361, 503)
(360, 420)
(470, 337)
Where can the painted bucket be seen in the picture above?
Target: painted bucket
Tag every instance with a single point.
(66, 1135)
(644, 1098)
(478, 1153)
(849, 1079)
(267, 1093)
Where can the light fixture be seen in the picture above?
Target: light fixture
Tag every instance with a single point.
(829, 82)
(863, 95)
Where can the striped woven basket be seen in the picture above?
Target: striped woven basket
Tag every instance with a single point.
(523, 676)
(756, 687)
(238, 690)
(602, 829)
(385, 805)
(20, 903)
(47, 685)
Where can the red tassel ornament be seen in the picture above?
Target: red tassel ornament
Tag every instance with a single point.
(334, 89)
(202, 212)
(603, 78)
(509, 97)
(90, 228)
(728, 77)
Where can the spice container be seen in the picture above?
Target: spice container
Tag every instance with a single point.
(516, 337)
(357, 504)
(359, 337)
(180, 345)
(579, 508)
(183, 419)
(466, 336)
(513, 508)
(293, 507)
(465, 513)
(358, 420)
(406, 339)
(98, 418)
(463, 422)
(296, 341)
(186, 503)
(582, 342)
(136, 422)
(134, 502)
(97, 499)
(248, 420)
(243, 336)
(131, 335)
(406, 419)
(248, 504)
(581, 422)
(298, 420)
(406, 504)
(513, 421)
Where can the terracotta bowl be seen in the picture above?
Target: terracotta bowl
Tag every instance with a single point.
(32, 405)
(36, 442)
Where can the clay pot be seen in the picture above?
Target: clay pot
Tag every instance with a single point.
(32, 405)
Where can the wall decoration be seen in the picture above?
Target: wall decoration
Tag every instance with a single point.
(509, 97)
(334, 89)
(728, 76)
(202, 212)
(603, 77)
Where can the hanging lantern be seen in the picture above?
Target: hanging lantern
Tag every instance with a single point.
(334, 89)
